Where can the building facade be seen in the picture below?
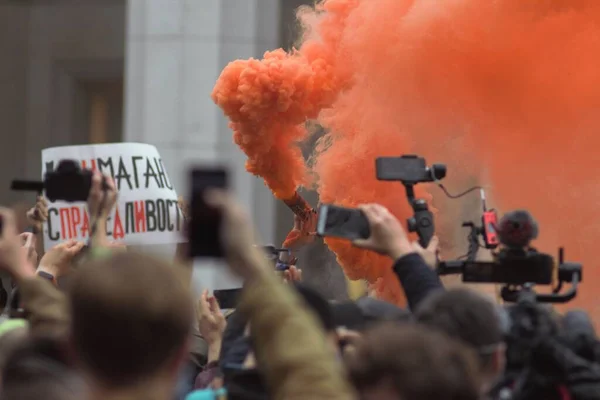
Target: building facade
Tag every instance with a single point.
(101, 71)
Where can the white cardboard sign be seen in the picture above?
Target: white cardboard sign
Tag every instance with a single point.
(147, 212)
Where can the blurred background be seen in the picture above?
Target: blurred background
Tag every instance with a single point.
(102, 71)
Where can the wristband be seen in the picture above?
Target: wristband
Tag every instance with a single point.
(48, 276)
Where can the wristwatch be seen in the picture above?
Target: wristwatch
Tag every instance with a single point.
(46, 275)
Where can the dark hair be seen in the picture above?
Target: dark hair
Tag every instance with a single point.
(131, 315)
(318, 305)
(415, 362)
(40, 368)
(348, 314)
(465, 315)
(375, 310)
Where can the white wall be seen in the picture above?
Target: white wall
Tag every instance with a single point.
(176, 50)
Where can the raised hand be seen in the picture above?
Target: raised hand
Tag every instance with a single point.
(387, 234)
(57, 261)
(38, 214)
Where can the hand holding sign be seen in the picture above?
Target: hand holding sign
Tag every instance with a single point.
(103, 197)
(38, 214)
(101, 201)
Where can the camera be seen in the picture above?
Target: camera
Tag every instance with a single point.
(68, 182)
(411, 170)
(516, 265)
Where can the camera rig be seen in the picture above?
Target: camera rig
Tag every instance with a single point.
(411, 170)
(68, 183)
(516, 265)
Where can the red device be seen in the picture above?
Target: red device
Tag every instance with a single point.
(490, 222)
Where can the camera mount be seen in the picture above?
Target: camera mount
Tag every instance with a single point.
(421, 222)
(411, 170)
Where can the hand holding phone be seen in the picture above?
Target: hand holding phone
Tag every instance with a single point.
(387, 236)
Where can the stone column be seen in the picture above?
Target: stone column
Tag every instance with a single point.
(175, 51)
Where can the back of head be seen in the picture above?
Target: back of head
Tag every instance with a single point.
(412, 362)
(465, 315)
(579, 334)
(375, 310)
(318, 305)
(131, 317)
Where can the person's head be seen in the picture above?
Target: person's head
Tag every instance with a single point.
(131, 320)
(376, 311)
(40, 368)
(404, 362)
(13, 333)
(472, 318)
(320, 308)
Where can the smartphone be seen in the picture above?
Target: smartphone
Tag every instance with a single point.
(490, 235)
(346, 223)
(205, 222)
(227, 298)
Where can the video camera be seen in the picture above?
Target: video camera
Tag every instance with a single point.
(411, 170)
(516, 265)
(68, 182)
(274, 253)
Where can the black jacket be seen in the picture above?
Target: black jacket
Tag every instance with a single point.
(417, 279)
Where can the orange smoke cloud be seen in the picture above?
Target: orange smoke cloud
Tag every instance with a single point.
(515, 82)
(507, 91)
(268, 102)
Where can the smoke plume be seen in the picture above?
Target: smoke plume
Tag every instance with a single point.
(506, 92)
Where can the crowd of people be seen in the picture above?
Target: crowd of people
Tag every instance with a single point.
(100, 321)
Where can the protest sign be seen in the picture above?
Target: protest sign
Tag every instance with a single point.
(147, 212)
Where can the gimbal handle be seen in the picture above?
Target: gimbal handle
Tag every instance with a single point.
(422, 221)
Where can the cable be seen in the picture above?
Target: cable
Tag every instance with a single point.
(447, 193)
(460, 194)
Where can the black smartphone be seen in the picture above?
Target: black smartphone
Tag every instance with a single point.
(347, 223)
(227, 298)
(205, 222)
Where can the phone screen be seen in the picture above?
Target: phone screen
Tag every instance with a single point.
(347, 223)
(205, 222)
(227, 298)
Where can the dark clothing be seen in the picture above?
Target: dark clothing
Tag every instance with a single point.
(207, 375)
(416, 278)
(234, 332)
(245, 384)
